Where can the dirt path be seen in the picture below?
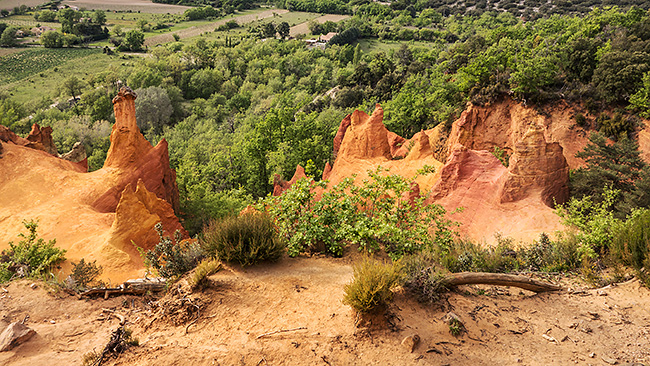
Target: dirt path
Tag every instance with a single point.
(504, 326)
(195, 31)
(303, 28)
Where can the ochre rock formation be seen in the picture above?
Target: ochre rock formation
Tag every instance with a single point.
(77, 155)
(137, 213)
(537, 166)
(35, 185)
(280, 185)
(367, 137)
(133, 158)
(43, 137)
(514, 201)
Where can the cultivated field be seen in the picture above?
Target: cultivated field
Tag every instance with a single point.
(10, 4)
(126, 5)
(303, 28)
(197, 30)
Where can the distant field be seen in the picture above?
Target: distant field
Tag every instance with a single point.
(125, 5)
(20, 65)
(372, 45)
(303, 28)
(10, 4)
(46, 84)
(9, 51)
(27, 21)
(197, 30)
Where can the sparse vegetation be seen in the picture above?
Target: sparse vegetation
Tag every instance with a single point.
(84, 275)
(30, 257)
(171, 258)
(207, 267)
(246, 239)
(370, 289)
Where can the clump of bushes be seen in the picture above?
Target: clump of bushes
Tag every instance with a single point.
(246, 239)
(374, 215)
(31, 257)
(370, 289)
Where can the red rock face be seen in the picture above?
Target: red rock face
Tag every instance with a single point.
(539, 166)
(133, 158)
(338, 139)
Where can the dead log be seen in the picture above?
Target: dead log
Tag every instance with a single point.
(138, 286)
(498, 279)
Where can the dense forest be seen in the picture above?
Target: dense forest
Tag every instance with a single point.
(237, 113)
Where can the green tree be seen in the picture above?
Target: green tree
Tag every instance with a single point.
(283, 30)
(46, 16)
(52, 39)
(72, 86)
(99, 17)
(153, 109)
(8, 37)
(268, 30)
(134, 39)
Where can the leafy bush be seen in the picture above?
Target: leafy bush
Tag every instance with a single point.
(172, 257)
(31, 257)
(245, 239)
(631, 243)
(371, 286)
(374, 215)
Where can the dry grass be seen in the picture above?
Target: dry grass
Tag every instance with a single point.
(10, 4)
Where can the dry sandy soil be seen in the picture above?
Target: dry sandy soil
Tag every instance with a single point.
(124, 5)
(195, 31)
(504, 326)
(303, 28)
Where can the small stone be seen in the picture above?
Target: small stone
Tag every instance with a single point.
(410, 342)
(15, 334)
(33, 286)
(52, 322)
(592, 355)
(609, 360)
(601, 293)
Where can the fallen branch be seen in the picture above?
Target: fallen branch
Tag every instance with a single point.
(499, 279)
(111, 311)
(279, 331)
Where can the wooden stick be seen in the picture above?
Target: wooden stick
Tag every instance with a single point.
(279, 331)
(499, 279)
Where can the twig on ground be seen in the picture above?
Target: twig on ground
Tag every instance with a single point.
(279, 331)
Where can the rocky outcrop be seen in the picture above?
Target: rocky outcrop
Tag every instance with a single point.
(280, 185)
(133, 158)
(14, 335)
(42, 137)
(420, 147)
(77, 155)
(138, 211)
(338, 138)
(537, 166)
(367, 137)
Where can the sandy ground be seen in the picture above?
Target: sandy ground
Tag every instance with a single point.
(303, 28)
(504, 326)
(195, 31)
(124, 5)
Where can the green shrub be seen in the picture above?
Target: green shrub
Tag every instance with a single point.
(245, 239)
(31, 257)
(374, 215)
(580, 119)
(631, 243)
(84, 274)
(371, 286)
(172, 257)
(467, 256)
(422, 277)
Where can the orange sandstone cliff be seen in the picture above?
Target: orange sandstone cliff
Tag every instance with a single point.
(514, 201)
(96, 215)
